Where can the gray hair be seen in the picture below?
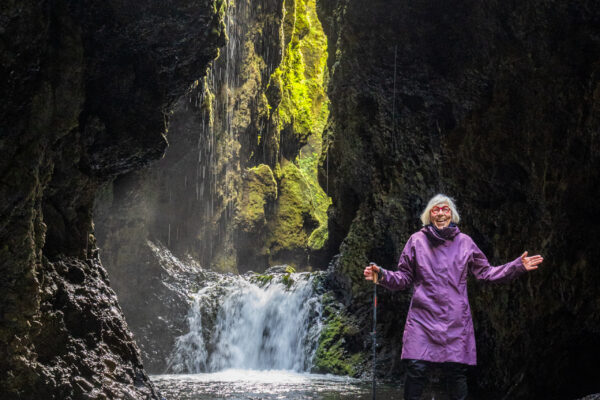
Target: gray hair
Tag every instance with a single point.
(435, 200)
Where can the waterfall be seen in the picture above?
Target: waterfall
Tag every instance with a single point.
(258, 322)
(247, 321)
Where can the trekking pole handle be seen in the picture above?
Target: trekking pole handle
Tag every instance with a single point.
(375, 274)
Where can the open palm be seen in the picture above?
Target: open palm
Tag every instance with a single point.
(532, 262)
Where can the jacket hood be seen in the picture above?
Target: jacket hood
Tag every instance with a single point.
(439, 236)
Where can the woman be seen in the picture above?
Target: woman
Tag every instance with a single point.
(439, 326)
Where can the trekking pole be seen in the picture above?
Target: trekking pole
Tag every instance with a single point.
(374, 327)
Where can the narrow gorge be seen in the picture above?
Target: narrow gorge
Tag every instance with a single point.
(194, 189)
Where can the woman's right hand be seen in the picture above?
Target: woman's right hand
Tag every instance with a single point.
(369, 271)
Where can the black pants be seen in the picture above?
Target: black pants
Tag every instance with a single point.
(416, 379)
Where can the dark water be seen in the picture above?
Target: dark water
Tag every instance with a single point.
(268, 385)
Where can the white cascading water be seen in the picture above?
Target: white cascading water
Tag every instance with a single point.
(239, 322)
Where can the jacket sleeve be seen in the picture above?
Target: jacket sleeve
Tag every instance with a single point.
(482, 270)
(403, 276)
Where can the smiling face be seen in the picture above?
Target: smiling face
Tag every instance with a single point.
(441, 215)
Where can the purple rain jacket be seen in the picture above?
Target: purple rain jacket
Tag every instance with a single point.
(439, 326)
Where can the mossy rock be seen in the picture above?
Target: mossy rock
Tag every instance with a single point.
(292, 223)
(332, 355)
(318, 237)
(281, 210)
(262, 279)
(259, 188)
(297, 86)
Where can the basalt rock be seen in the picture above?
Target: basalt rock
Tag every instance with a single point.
(83, 345)
(497, 105)
(85, 88)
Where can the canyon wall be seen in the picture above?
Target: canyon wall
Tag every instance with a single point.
(86, 91)
(497, 105)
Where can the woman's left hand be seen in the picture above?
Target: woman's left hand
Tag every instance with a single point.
(532, 262)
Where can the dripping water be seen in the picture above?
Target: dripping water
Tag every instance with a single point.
(216, 156)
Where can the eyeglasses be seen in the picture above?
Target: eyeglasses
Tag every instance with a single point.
(437, 210)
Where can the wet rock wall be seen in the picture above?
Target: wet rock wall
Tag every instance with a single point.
(495, 104)
(84, 92)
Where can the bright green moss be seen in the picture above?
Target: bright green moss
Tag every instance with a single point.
(302, 75)
(288, 281)
(318, 237)
(287, 208)
(263, 279)
(287, 227)
(297, 87)
(259, 187)
(287, 278)
(290, 270)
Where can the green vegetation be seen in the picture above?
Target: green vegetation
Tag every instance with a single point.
(304, 104)
(281, 210)
(317, 198)
(332, 356)
(290, 270)
(262, 279)
(287, 228)
(259, 187)
(303, 109)
(287, 278)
